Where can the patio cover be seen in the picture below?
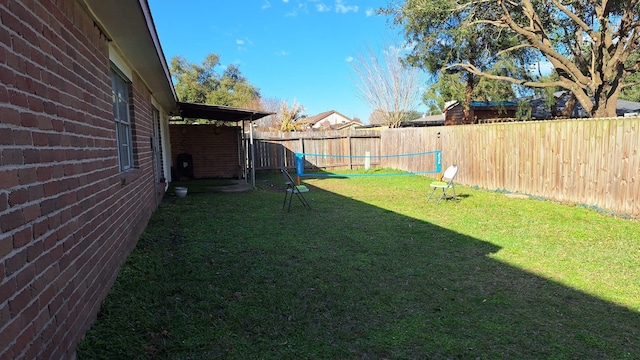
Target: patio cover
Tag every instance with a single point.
(226, 113)
(218, 112)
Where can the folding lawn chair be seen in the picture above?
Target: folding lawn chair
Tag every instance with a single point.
(445, 184)
(293, 189)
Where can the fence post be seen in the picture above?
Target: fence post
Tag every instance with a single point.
(349, 145)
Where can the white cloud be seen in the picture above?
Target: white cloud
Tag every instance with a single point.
(266, 5)
(343, 9)
(285, 1)
(282, 53)
(349, 59)
(322, 7)
(300, 8)
(370, 12)
(243, 43)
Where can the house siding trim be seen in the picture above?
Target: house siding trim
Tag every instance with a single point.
(119, 62)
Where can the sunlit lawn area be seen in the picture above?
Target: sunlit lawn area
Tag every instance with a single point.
(373, 271)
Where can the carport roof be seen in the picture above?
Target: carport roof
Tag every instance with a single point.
(218, 112)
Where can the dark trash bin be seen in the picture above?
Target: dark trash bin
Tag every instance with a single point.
(185, 166)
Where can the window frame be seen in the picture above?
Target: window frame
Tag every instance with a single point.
(156, 121)
(121, 90)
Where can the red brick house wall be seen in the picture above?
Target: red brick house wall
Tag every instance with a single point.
(215, 150)
(68, 216)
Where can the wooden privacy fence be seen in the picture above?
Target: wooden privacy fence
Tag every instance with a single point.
(591, 162)
(595, 162)
(274, 150)
(331, 150)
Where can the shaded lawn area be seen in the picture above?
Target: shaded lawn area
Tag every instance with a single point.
(373, 271)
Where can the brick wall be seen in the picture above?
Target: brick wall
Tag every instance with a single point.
(215, 150)
(68, 217)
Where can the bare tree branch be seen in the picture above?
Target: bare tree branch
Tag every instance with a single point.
(584, 26)
(513, 48)
(386, 85)
(580, 94)
(472, 69)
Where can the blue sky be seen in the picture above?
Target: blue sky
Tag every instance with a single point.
(290, 49)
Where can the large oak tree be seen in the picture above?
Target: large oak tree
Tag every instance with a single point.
(591, 44)
(441, 33)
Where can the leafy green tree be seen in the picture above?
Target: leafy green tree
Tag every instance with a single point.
(203, 84)
(443, 32)
(491, 90)
(591, 44)
(412, 115)
(450, 87)
(631, 91)
(445, 87)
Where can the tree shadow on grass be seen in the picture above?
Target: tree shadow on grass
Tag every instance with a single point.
(401, 288)
(257, 282)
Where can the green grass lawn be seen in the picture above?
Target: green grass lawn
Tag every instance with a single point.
(373, 271)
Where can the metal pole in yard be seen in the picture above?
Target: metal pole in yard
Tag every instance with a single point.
(253, 154)
(367, 160)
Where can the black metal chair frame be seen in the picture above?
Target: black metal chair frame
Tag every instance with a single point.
(293, 189)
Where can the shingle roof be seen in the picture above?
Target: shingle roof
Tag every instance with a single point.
(540, 110)
(312, 120)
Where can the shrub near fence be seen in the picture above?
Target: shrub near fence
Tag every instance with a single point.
(595, 162)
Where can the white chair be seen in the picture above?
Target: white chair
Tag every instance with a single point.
(445, 184)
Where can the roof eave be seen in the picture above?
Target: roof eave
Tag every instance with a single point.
(130, 26)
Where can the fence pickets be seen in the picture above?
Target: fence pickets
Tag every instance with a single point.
(595, 162)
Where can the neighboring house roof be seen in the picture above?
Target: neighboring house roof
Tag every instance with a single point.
(312, 120)
(627, 107)
(449, 103)
(371, 127)
(429, 120)
(540, 109)
(494, 104)
(303, 122)
(483, 104)
(348, 125)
